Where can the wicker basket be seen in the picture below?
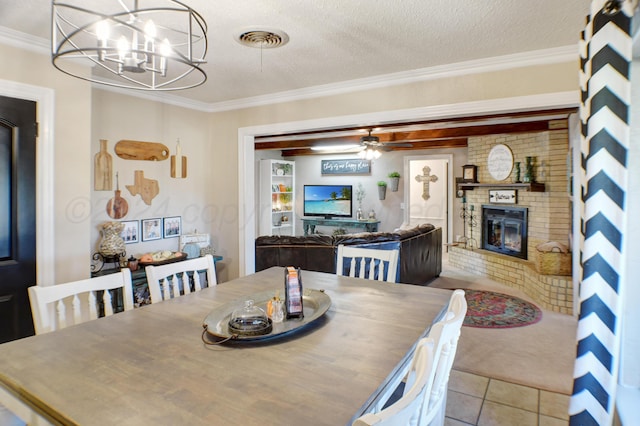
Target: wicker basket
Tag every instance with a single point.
(553, 262)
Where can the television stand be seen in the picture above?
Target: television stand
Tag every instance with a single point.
(309, 224)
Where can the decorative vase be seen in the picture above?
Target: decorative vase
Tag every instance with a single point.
(528, 170)
(394, 184)
(112, 244)
(516, 172)
(359, 214)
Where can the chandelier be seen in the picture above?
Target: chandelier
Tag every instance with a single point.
(153, 45)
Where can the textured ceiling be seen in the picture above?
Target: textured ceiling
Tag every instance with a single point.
(333, 41)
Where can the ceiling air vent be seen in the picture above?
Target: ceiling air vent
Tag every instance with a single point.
(262, 38)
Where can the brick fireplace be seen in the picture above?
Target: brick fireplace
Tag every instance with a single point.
(504, 230)
(548, 215)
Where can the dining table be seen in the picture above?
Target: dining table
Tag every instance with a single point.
(151, 365)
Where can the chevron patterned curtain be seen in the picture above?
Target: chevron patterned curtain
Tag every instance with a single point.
(606, 54)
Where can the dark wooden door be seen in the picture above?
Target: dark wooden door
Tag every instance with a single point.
(17, 215)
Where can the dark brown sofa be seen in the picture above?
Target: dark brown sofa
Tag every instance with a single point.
(420, 259)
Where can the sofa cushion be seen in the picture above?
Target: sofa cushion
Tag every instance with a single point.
(362, 238)
(412, 232)
(315, 239)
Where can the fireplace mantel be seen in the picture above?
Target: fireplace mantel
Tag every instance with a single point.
(533, 187)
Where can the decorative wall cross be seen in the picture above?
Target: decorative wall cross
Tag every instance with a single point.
(426, 178)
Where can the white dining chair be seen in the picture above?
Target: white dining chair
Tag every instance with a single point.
(368, 263)
(172, 280)
(13, 411)
(423, 401)
(58, 306)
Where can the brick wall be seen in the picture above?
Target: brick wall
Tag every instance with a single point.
(549, 213)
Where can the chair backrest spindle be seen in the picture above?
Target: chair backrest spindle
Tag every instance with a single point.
(49, 304)
(173, 279)
(368, 263)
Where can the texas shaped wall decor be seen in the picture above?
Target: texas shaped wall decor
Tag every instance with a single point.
(147, 188)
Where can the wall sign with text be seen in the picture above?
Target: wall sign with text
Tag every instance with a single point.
(502, 196)
(354, 166)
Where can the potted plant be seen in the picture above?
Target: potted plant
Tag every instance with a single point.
(382, 189)
(395, 179)
(287, 168)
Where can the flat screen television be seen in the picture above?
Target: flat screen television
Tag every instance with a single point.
(328, 201)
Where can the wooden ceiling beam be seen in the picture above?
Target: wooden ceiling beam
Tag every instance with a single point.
(514, 116)
(445, 143)
(413, 136)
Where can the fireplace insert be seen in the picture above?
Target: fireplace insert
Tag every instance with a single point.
(504, 230)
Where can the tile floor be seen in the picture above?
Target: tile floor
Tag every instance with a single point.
(483, 401)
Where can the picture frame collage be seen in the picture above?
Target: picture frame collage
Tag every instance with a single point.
(135, 231)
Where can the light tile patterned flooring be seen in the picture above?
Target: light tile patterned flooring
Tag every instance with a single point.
(482, 401)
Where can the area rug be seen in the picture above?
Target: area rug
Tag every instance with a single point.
(488, 309)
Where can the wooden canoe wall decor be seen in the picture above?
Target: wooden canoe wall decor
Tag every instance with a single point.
(147, 188)
(146, 151)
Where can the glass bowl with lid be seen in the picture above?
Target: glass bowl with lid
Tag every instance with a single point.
(250, 320)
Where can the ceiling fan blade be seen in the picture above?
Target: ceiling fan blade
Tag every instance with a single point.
(391, 146)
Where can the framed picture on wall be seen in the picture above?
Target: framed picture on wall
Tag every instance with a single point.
(470, 173)
(131, 231)
(151, 229)
(172, 227)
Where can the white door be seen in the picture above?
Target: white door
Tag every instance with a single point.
(427, 192)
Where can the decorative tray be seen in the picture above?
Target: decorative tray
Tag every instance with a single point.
(176, 257)
(315, 303)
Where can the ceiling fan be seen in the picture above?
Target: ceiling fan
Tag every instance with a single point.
(370, 146)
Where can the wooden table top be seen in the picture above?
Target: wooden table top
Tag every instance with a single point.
(150, 366)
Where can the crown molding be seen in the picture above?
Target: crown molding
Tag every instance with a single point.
(477, 66)
(25, 41)
(162, 97)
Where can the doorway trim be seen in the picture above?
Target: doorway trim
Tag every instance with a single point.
(247, 218)
(450, 188)
(44, 98)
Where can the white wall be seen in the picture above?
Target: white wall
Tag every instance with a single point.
(388, 211)
(212, 189)
(117, 117)
(630, 370)
(71, 139)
